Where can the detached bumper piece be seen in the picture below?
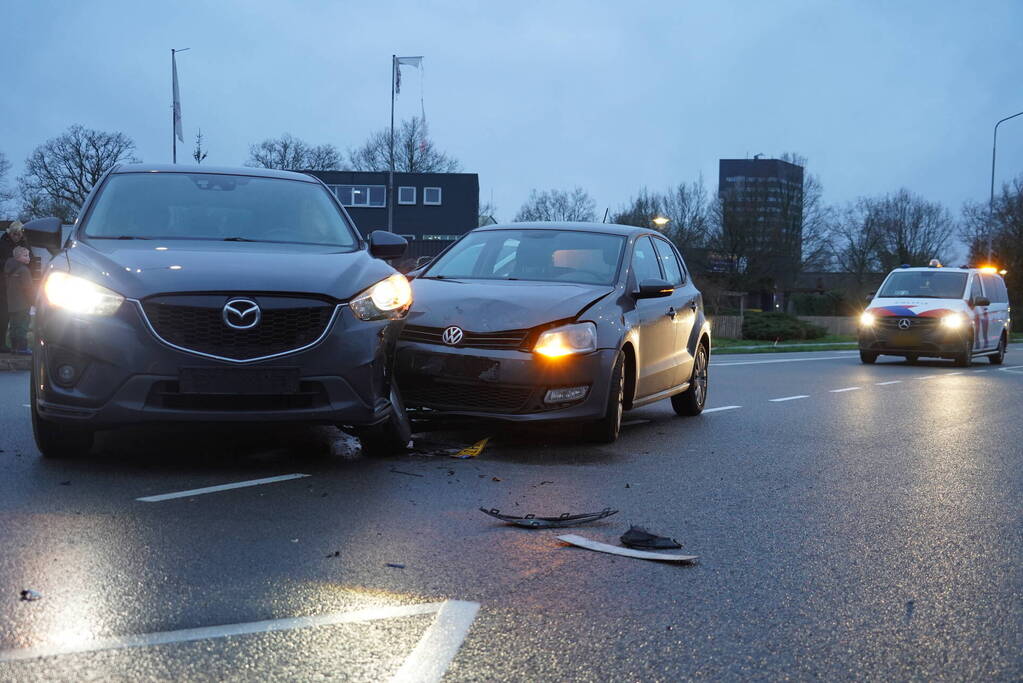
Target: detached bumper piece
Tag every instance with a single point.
(565, 520)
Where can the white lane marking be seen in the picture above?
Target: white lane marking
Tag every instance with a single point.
(788, 398)
(221, 487)
(1014, 369)
(894, 381)
(634, 422)
(839, 391)
(714, 410)
(927, 377)
(224, 631)
(780, 360)
(439, 645)
(26, 405)
(949, 374)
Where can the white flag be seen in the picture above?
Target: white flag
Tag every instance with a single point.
(177, 100)
(408, 61)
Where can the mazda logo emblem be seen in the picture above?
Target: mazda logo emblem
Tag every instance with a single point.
(452, 336)
(241, 314)
(904, 324)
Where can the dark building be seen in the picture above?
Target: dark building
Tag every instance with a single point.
(762, 225)
(431, 210)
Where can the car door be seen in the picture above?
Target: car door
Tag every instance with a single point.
(655, 364)
(684, 303)
(998, 311)
(979, 315)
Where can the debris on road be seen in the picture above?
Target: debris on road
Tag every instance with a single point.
(473, 450)
(30, 596)
(411, 474)
(638, 537)
(495, 479)
(582, 542)
(395, 565)
(336, 553)
(534, 522)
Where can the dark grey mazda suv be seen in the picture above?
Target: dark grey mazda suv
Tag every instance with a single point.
(190, 294)
(532, 322)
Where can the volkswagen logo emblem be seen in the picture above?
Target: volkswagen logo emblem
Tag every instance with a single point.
(241, 314)
(905, 323)
(452, 336)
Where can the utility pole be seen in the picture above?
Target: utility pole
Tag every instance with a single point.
(991, 202)
(390, 175)
(175, 105)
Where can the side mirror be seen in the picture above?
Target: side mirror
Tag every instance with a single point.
(870, 297)
(982, 301)
(386, 245)
(45, 233)
(654, 288)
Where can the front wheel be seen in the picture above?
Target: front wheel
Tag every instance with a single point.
(608, 428)
(868, 357)
(999, 357)
(391, 436)
(691, 401)
(59, 441)
(964, 358)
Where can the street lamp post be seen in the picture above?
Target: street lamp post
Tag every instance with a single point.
(991, 201)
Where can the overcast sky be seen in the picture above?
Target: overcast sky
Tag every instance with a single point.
(609, 96)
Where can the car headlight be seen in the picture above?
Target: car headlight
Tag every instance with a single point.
(567, 340)
(867, 319)
(387, 299)
(80, 296)
(953, 320)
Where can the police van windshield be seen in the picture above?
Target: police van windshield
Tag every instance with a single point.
(925, 284)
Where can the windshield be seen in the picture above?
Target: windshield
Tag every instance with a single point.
(539, 255)
(928, 284)
(209, 206)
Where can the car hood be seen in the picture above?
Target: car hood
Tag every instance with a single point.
(908, 307)
(493, 306)
(137, 269)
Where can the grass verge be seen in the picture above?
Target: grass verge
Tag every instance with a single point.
(831, 342)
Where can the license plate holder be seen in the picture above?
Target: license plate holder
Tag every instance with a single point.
(905, 339)
(235, 381)
(462, 367)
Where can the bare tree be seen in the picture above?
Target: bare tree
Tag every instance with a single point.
(414, 151)
(911, 229)
(288, 153)
(199, 153)
(488, 214)
(558, 205)
(60, 173)
(688, 212)
(1004, 224)
(856, 245)
(6, 194)
(641, 210)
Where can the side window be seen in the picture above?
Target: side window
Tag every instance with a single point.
(994, 289)
(975, 290)
(644, 261)
(669, 262)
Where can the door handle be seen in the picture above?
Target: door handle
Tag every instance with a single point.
(671, 312)
(692, 305)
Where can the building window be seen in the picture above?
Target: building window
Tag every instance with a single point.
(410, 238)
(431, 196)
(374, 196)
(406, 195)
(440, 238)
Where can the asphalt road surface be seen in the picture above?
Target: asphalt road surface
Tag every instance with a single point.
(869, 526)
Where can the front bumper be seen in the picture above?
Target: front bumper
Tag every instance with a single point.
(442, 382)
(125, 375)
(936, 341)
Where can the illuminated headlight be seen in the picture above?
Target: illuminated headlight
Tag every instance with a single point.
(387, 299)
(953, 320)
(567, 340)
(867, 319)
(80, 296)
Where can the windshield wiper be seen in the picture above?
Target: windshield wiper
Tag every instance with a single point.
(118, 237)
(239, 239)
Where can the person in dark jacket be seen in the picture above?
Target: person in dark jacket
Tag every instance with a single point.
(20, 297)
(14, 237)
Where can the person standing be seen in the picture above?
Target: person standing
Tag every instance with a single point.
(14, 237)
(21, 294)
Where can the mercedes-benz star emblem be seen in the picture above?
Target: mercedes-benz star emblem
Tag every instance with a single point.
(452, 336)
(241, 314)
(904, 324)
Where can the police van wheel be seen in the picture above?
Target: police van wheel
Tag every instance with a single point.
(965, 358)
(997, 358)
(912, 358)
(868, 357)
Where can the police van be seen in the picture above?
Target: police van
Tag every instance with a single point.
(956, 313)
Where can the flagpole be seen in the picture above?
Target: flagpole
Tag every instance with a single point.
(390, 176)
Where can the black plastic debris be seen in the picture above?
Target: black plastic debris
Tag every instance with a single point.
(638, 537)
(534, 522)
(336, 553)
(395, 565)
(30, 596)
(411, 474)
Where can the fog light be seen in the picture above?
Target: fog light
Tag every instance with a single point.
(66, 374)
(566, 395)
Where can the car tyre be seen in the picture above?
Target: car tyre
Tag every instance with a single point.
(868, 357)
(912, 358)
(608, 428)
(998, 358)
(965, 358)
(391, 436)
(691, 401)
(59, 441)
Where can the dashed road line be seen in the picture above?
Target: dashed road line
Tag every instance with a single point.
(788, 398)
(894, 381)
(439, 645)
(927, 377)
(221, 487)
(780, 360)
(714, 410)
(839, 391)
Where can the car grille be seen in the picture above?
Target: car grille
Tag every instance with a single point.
(484, 398)
(195, 323)
(506, 339)
(916, 323)
(167, 395)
